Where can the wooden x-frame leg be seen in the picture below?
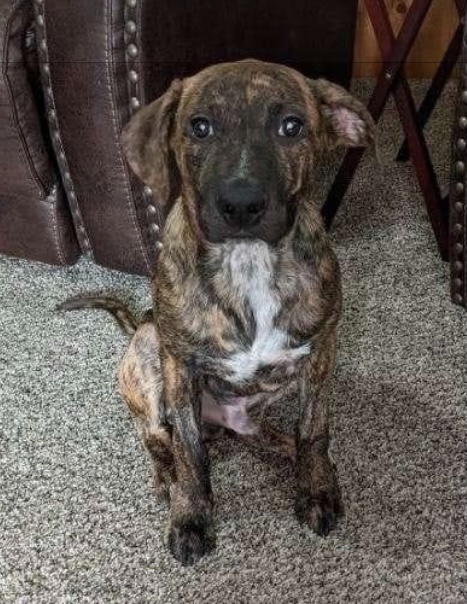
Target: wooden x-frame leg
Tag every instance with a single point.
(440, 79)
(393, 81)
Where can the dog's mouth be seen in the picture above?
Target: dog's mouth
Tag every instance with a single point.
(242, 234)
(269, 232)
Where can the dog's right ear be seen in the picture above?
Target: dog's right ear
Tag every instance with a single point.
(146, 143)
(345, 120)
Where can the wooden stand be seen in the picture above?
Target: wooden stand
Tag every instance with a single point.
(392, 80)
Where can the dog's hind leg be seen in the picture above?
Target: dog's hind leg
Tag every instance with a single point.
(140, 383)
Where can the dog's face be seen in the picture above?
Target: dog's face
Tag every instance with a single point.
(239, 141)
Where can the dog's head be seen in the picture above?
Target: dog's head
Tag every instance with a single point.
(238, 141)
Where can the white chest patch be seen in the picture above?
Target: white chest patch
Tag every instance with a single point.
(251, 268)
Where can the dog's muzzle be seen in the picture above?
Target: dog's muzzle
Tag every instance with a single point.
(241, 203)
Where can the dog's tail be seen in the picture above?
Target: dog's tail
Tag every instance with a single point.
(115, 307)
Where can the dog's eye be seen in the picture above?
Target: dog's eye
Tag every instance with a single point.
(291, 126)
(201, 127)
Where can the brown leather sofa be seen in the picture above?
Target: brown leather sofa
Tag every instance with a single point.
(73, 73)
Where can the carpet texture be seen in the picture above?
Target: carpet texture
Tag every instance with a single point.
(78, 519)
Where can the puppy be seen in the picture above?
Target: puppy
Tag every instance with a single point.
(246, 290)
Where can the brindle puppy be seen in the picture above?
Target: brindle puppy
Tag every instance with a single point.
(246, 290)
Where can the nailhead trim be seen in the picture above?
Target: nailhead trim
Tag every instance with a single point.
(52, 196)
(136, 100)
(55, 132)
(458, 192)
(152, 216)
(135, 103)
(133, 76)
(130, 27)
(132, 50)
(131, 53)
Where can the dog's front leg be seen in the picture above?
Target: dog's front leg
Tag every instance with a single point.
(318, 502)
(190, 530)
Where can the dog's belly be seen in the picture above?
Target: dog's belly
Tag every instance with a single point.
(230, 412)
(227, 404)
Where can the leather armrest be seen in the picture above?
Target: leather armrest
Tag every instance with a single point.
(34, 217)
(82, 45)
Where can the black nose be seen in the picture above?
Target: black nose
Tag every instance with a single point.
(241, 202)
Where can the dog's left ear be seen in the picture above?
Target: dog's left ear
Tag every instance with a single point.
(345, 121)
(146, 143)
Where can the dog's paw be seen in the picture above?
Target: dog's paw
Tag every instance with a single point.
(190, 541)
(319, 511)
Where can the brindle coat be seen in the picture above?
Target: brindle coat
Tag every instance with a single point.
(238, 316)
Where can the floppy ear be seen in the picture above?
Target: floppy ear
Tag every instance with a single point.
(146, 142)
(346, 122)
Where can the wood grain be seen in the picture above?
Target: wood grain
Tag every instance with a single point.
(429, 48)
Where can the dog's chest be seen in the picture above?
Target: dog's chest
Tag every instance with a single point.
(249, 270)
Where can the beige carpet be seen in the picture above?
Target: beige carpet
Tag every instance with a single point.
(78, 520)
